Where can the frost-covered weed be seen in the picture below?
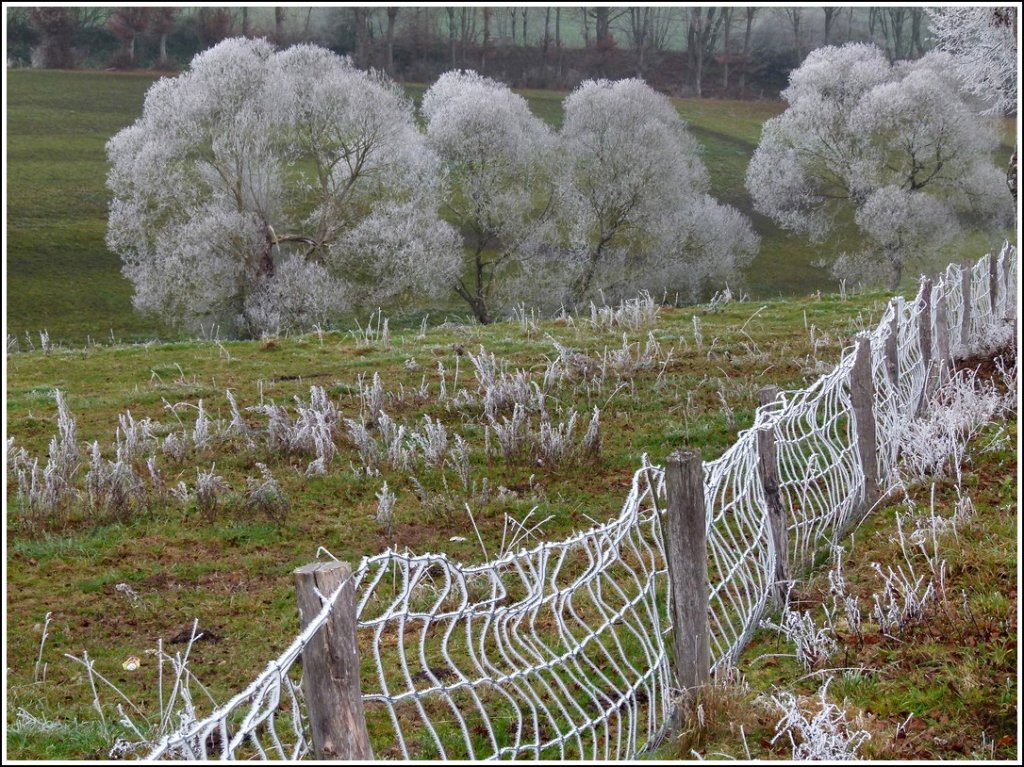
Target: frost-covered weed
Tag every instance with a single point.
(824, 736)
(113, 487)
(631, 314)
(813, 645)
(433, 441)
(936, 444)
(458, 459)
(365, 443)
(385, 517)
(210, 487)
(371, 398)
(263, 495)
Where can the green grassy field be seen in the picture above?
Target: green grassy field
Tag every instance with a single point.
(61, 277)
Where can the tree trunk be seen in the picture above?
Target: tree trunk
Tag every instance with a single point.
(830, 15)
(558, 44)
(487, 39)
(727, 13)
(586, 26)
(163, 49)
(245, 22)
(451, 35)
(895, 276)
(390, 38)
(359, 17)
(278, 24)
(746, 50)
(916, 15)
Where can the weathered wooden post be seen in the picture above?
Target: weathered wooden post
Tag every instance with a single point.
(767, 465)
(965, 289)
(942, 352)
(687, 555)
(892, 341)
(993, 284)
(924, 331)
(862, 395)
(330, 663)
(1009, 305)
(924, 326)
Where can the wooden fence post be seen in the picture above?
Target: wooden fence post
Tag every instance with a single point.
(687, 555)
(965, 290)
(862, 395)
(945, 359)
(1010, 308)
(993, 284)
(767, 464)
(892, 341)
(924, 330)
(330, 664)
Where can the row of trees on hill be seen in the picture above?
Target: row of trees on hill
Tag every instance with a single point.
(267, 190)
(694, 50)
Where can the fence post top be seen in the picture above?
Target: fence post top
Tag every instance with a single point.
(323, 567)
(684, 456)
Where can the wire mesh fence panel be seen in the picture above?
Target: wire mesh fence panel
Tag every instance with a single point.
(740, 558)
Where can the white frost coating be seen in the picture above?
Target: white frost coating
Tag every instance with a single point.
(897, 146)
(266, 191)
(634, 195)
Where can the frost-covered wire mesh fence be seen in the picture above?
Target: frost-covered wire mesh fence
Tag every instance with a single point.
(561, 651)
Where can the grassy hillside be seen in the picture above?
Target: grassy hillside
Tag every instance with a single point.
(61, 277)
(230, 568)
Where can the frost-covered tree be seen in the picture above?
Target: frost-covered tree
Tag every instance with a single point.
(983, 44)
(892, 150)
(634, 197)
(265, 191)
(499, 162)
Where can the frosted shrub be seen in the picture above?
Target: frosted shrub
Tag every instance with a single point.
(371, 398)
(201, 432)
(590, 447)
(399, 449)
(113, 487)
(237, 426)
(513, 433)
(64, 454)
(825, 736)
(134, 437)
(175, 446)
(555, 442)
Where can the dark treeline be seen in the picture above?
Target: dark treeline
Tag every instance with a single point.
(744, 52)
